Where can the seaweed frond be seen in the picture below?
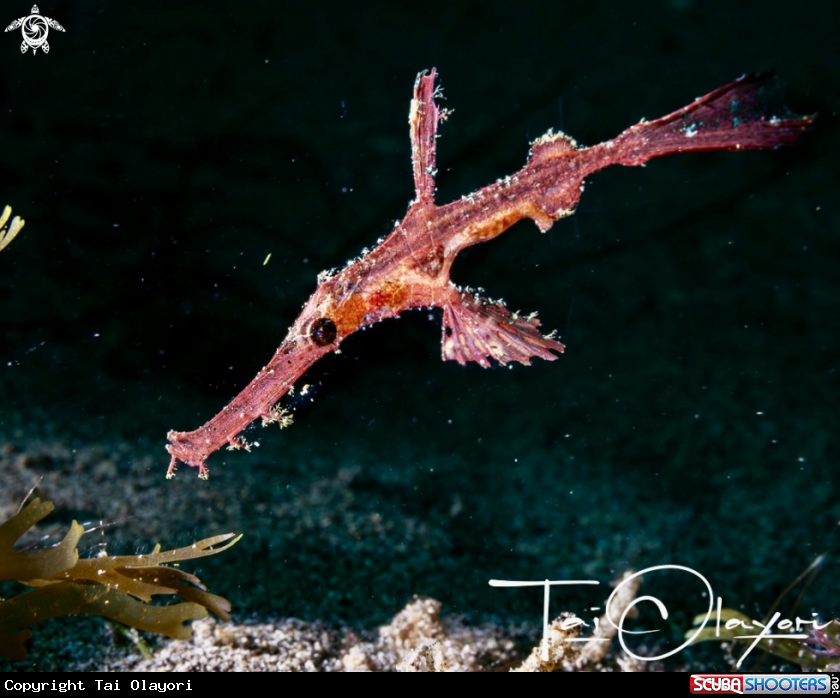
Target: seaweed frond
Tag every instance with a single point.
(817, 650)
(118, 587)
(808, 643)
(6, 236)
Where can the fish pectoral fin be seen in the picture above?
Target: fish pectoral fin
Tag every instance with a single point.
(478, 329)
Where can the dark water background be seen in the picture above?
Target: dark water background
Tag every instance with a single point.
(160, 152)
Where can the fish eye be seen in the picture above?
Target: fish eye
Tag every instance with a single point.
(322, 331)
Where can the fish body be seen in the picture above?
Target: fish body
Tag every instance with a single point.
(410, 267)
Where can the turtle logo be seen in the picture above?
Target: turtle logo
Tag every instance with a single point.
(35, 28)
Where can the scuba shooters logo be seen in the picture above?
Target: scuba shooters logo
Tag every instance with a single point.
(764, 684)
(35, 29)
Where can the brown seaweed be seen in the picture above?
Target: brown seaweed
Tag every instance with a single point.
(9, 234)
(116, 587)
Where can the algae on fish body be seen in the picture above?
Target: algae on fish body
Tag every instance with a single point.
(115, 587)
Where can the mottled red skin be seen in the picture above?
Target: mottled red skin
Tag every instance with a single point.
(410, 268)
